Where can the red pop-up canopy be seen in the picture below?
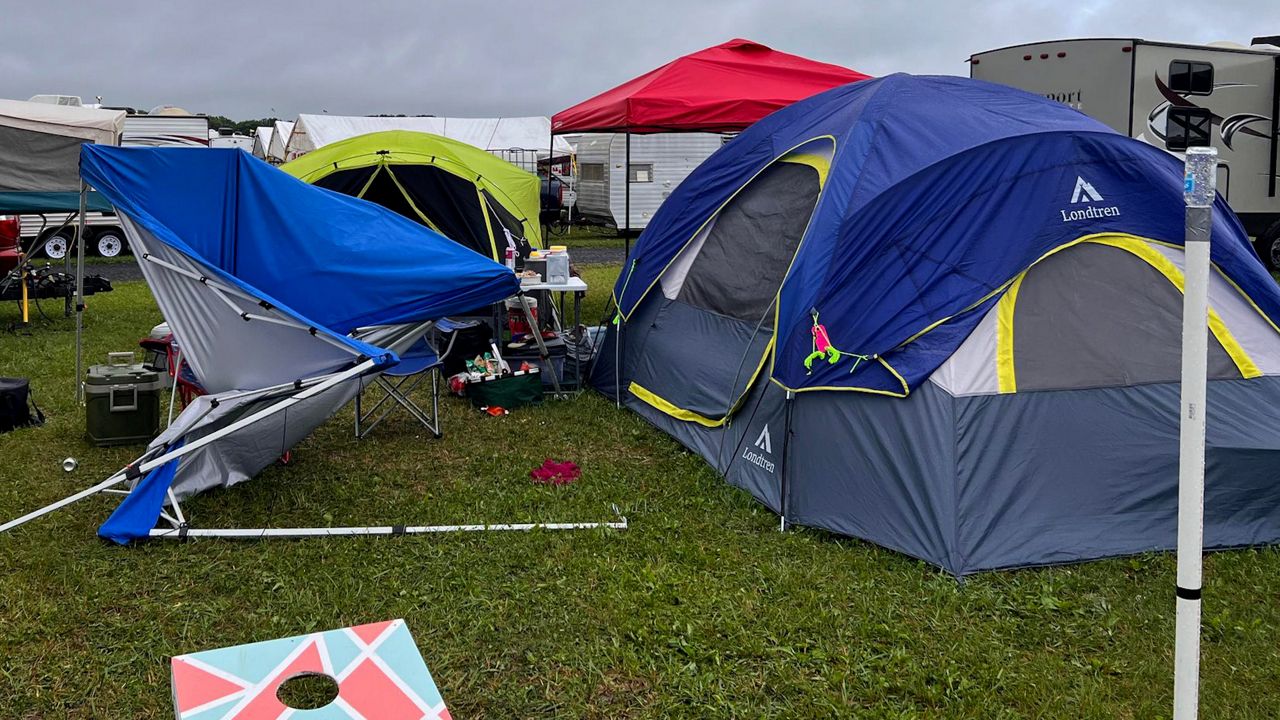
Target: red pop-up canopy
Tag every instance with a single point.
(724, 88)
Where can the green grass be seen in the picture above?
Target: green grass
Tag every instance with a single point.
(701, 609)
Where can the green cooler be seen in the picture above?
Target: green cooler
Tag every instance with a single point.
(122, 402)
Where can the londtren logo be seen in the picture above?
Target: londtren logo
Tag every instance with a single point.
(765, 444)
(1086, 193)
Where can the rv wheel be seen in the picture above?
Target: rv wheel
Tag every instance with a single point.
(109, 243)
(1268, 246)
(55, 246)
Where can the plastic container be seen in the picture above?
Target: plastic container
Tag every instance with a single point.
(516, 321)
(558, 268)
(122, 402)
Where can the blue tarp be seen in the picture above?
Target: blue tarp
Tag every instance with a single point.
(335, 261)
(941, 190)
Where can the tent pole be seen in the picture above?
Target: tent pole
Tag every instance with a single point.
(84, 191)
(786, 456)
(1201, 171)
(551, 155)
(626, 176)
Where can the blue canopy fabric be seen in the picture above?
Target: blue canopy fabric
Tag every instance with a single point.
(941, 190)
(337, 262)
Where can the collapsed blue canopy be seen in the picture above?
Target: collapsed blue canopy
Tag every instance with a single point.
(940, 191)
(336, 261)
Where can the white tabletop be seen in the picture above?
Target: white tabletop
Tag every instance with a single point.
(575, 284)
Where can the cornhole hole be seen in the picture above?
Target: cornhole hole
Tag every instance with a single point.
(377, 667)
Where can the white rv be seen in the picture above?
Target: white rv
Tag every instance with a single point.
(163, 127)
(1168, 94)
(231, 140)
(659, 162)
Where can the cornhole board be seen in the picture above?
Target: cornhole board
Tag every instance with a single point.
(378, 669)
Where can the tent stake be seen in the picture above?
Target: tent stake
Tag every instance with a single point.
(1201, 171)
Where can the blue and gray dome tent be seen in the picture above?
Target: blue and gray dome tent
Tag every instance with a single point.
(282, 296)
(944, 316)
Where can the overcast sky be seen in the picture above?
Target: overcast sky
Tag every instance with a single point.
(517, 57)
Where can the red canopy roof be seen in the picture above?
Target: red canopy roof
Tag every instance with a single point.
(720, 89)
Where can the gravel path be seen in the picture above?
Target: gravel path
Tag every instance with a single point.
(596, 256)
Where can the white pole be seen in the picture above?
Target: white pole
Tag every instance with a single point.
(1200, 179)
(265, 533)
(84, 191)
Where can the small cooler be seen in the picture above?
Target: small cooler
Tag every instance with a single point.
(122, 402)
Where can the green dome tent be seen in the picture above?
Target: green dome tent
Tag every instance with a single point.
(458, 190)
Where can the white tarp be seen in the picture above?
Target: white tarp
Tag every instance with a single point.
(97, 126)
(280, 140)
(262, 141)
(509, 133)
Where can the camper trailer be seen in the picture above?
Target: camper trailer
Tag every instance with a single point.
(162, 127)
(659, 162)
(1170, 95)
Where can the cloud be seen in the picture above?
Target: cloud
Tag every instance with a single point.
(508, 57)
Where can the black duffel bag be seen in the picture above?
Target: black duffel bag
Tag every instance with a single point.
(17, 405)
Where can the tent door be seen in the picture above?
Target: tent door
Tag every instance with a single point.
(712, 334)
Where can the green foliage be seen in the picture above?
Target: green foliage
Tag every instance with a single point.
(702, 609)
(244, 127)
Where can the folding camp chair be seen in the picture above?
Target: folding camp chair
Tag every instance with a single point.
(416, 364)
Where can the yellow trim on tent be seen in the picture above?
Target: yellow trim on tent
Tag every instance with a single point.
(657, 278)
(813, 160)
(679, 413)
(1248, 369)
(1004, 336)
(410, 199)
(485, 210)
(1139, 248)
(658, 403)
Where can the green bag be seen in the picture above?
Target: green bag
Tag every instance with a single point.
(509, 391)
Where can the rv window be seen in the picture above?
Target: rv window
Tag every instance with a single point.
(642, 173)
(591, 172)
(1187, 127)
(1191, 78)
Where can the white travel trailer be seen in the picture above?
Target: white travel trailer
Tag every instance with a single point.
(231, 140)
(163, 127)
(659, 162)
(1167, 94)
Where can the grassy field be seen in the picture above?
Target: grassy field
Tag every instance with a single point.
(701, 609)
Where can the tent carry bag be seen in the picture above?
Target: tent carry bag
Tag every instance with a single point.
(17, 405)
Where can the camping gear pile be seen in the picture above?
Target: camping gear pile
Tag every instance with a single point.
(946, 319)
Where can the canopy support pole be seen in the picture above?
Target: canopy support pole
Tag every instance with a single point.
(1201, 171)
(79, 377)
(626, 234)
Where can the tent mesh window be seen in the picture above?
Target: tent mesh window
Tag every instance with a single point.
(449, 203)
(1099, 316)
(740, 266)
